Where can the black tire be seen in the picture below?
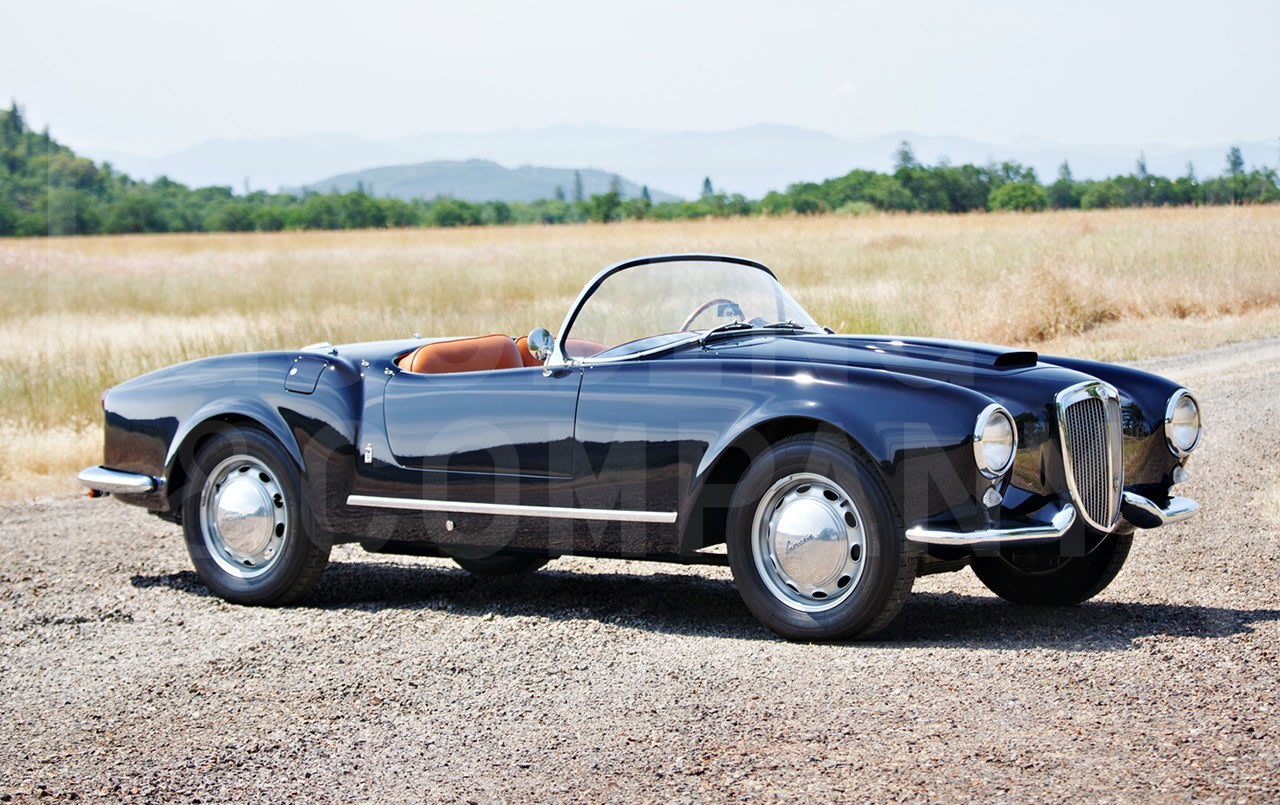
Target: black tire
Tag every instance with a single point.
(291, 561)
(1041, 577)
(503, 563)
(882, 559)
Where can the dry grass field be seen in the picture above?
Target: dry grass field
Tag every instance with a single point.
(81, 314)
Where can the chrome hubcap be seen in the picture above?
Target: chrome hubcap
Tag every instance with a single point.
(809, 545)
(243, 516)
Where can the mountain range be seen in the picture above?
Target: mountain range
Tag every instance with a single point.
(477, 180)
(751, 160)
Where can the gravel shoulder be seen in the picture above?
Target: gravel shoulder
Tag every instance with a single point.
(403, 679)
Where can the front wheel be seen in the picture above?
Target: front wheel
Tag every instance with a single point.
(247, 527)
(815, 545)
(1040, 576)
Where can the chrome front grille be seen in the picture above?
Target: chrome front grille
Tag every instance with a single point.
(1089, 424)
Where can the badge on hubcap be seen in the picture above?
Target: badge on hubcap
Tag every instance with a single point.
(809, 542)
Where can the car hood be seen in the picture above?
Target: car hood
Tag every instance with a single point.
(924, 356)
(1014, 377)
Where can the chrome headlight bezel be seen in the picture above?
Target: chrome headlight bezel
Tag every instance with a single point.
(1170, 410)
(985, 419)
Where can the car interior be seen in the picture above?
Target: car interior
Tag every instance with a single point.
(483, 354)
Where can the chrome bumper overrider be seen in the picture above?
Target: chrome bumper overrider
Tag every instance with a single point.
(1054, 529)
(116, 482)
(1145, 513)
(1135, 510)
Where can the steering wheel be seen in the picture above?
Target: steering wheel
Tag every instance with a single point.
(702, 308)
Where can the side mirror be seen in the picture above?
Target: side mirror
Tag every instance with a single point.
(541, 344)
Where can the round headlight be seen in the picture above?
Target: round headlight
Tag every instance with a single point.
(1182, 423)
(994, 441)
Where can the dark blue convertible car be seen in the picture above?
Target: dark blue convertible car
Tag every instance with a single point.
(689, 410)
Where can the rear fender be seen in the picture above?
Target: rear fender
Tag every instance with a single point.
(217, 415)
(211, 415)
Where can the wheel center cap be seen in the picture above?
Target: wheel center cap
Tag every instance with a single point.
(810, 541)
(244, 517)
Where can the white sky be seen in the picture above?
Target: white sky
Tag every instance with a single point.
(152, 77)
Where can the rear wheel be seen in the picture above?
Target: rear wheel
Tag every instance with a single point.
(247, 527)
(815, 545)
(1040, 575)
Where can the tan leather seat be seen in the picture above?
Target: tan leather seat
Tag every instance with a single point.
(522, 346)
(576, 347)
(484, 353)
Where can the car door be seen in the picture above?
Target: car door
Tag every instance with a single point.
(498, 439)
(642, 429)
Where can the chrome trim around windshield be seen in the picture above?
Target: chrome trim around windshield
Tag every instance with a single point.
(463, 507)
(559, 360)
(1054, 529)
(679, 343)
(674, 344)
(118, 482)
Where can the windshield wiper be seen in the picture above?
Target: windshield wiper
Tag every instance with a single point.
(738, 326)
(784, 325)
(728, 327)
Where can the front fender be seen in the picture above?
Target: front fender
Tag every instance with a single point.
(917, 432)
(1143, 397)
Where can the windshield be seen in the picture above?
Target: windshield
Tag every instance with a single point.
(648, 305)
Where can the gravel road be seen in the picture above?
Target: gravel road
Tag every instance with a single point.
(409, 679)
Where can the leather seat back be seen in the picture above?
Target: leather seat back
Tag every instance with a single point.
(576, 347)
(484, 353)
(522, 346)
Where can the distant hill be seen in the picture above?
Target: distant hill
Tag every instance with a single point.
(476, 180)
(46, 189)
(751, 160)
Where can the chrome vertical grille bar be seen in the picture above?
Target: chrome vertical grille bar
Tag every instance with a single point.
(1089, 428)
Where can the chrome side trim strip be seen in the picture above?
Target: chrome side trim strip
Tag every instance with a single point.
(1055, 529)
(116, 482)
(462, 507)
(1145, 513)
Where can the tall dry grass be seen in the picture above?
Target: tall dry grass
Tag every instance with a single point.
(80, 314)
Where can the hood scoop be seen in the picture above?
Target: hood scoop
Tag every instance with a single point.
(959, 353)
(1016, 357)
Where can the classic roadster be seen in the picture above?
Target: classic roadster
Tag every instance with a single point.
(689, 410)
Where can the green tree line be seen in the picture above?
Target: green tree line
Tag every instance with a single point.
(45, 189)
(913, 187)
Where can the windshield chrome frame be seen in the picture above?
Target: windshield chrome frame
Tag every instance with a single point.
(559, 360)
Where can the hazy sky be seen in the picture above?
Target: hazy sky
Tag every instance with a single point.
(152, 77)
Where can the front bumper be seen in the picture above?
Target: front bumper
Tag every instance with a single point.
(1145, 513)
(104, 480)
(1057, 526)
(1136, 511)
